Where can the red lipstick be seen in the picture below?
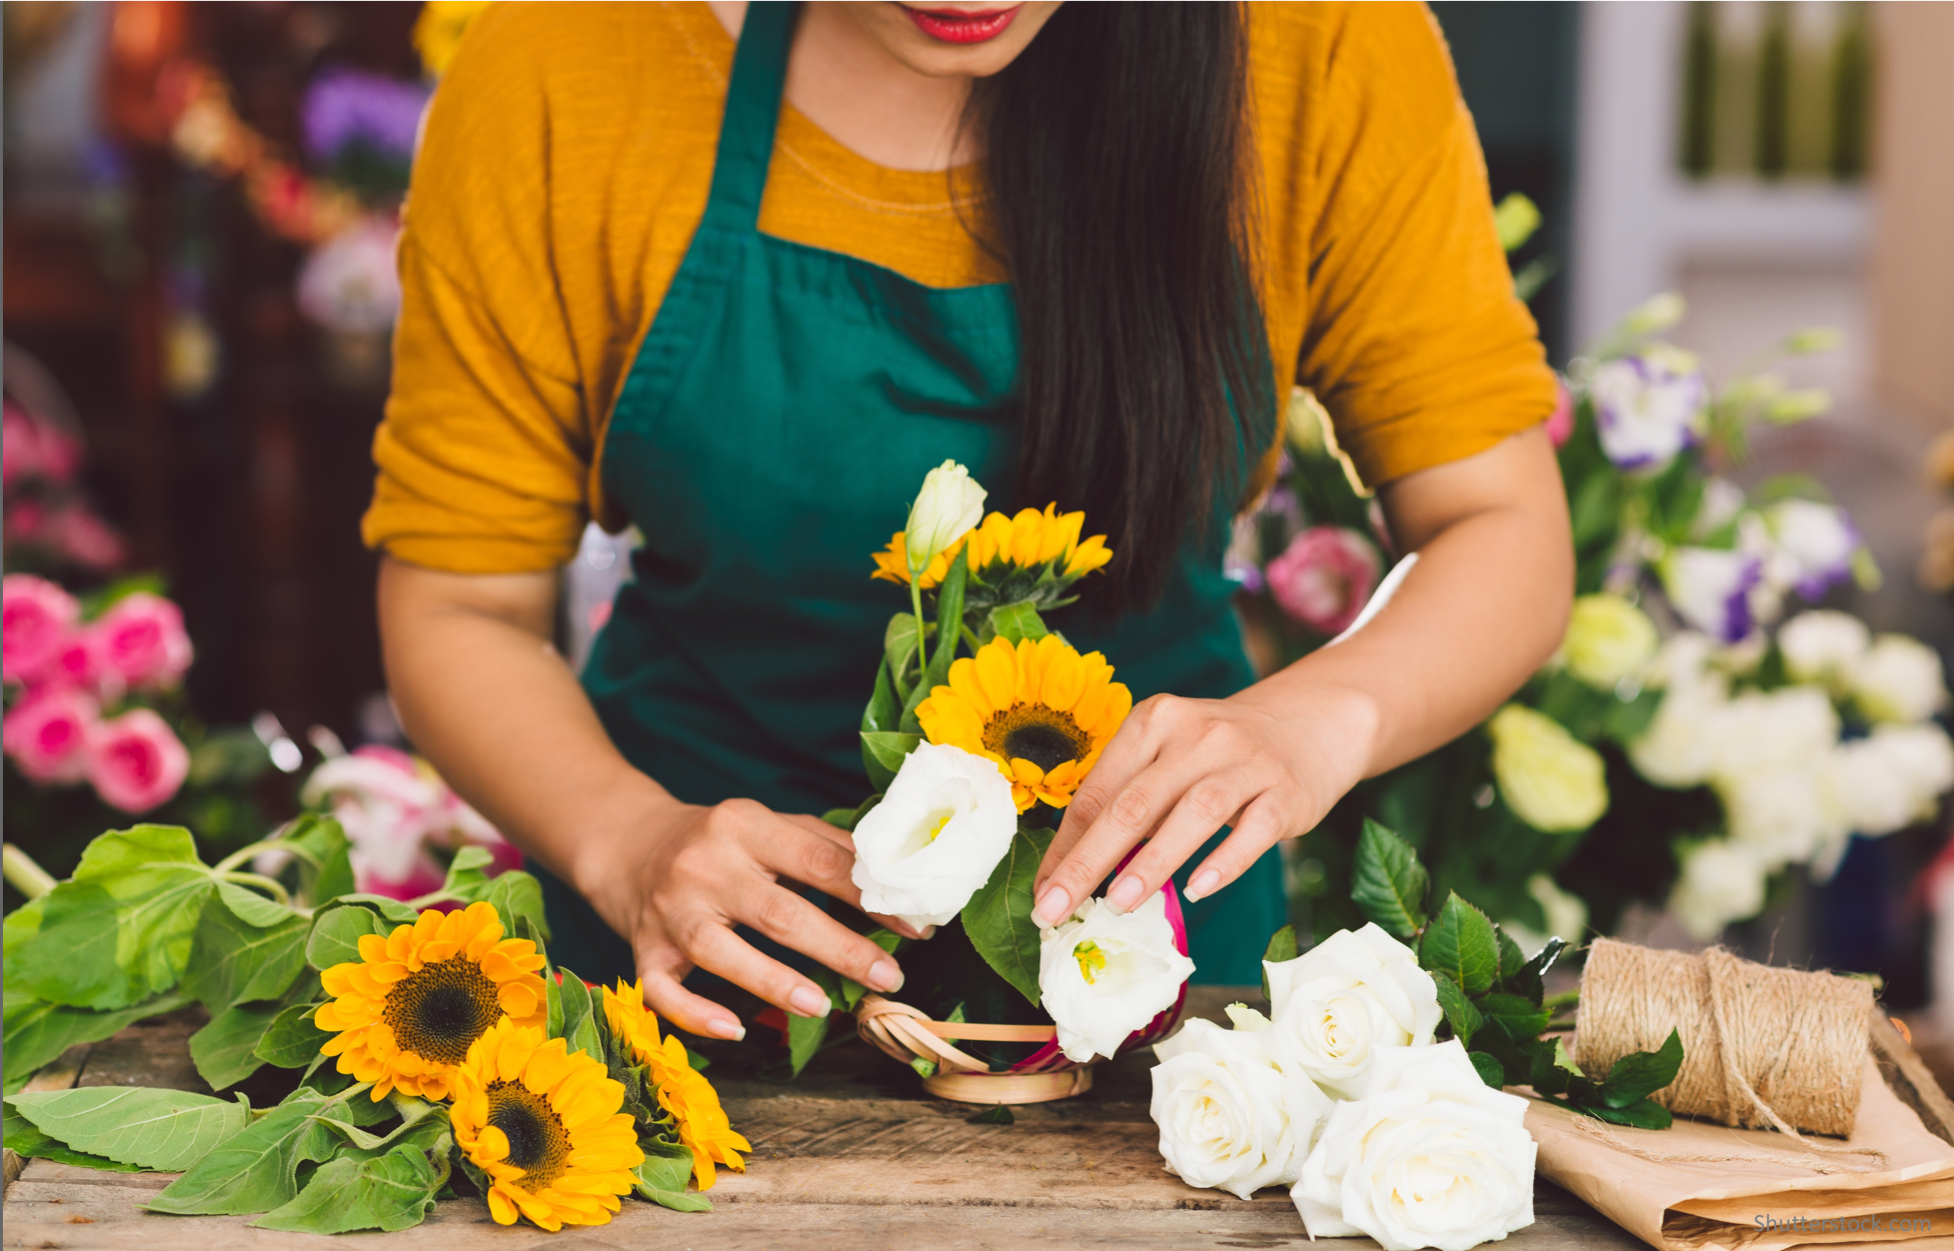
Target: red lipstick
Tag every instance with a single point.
(960, 26)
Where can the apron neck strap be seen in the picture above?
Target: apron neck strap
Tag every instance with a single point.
(739, 171)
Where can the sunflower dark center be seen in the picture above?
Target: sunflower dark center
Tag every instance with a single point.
(538, 1143)
(438, 1012)
(1044, 736)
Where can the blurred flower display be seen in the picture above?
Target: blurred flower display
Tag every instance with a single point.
(1698, 732)
(48, 524)
(403, 820)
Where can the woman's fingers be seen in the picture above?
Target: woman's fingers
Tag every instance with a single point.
(1131, 815)
(793, 922)
(692, 1013)
(852, 895)
(1210, 803)
(715, 948)
(1265, 822)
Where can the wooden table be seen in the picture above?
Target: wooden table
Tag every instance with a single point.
(850, 1157)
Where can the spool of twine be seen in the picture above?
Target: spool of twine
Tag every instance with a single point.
(906, 1034)
(1763, 1047)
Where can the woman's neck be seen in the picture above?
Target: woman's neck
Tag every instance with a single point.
(863, 98)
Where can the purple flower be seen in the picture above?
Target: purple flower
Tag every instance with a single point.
(1648, 408)
(1813, 545)
(1711, 589)
(347, 106)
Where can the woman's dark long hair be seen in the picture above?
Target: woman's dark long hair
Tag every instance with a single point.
(1122, 202)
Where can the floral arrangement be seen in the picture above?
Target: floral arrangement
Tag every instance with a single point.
(1373, 1087)
(422, 1037)
(970, 755)
(404, 822)
(48, 524)
(1687, 742)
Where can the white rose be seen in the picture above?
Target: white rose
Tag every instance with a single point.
(1683, 659)
(1721, 882)
(1898, 679)
(1812, 545)
(1711, 589)
(1780, 814)
(1430, 1156)
(1229, 1118)
(1104, 974)
(1646, 409)
(947, 819)
(1345, 1001)
(1789, 728)
(1679, 749)
(1891, 779)
(949, 506)
(1821, 646)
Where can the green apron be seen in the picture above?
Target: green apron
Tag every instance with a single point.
(774, 427)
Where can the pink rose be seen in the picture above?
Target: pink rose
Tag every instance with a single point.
(136, 761)
(1560, 422)
(1325, 577)
(47, 734)
(37, 618)
(88, 541)
(141, 641)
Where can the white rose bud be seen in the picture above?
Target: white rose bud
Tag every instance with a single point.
(1898, 679)
(1229, 1118)
(948, 507)
(947, 819)
(1430, 1156)
(1721, 882)
(1346, 1000)
(1822, 646)
(1104, 974)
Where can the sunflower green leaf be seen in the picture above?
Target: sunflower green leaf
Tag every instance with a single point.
(146, 1126)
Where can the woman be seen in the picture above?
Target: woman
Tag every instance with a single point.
(1080, 249)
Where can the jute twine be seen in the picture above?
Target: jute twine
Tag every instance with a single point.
(906, 1034)
(1763, 1047)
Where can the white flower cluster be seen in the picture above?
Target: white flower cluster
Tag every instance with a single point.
(1793, 790)
(1342, 1096)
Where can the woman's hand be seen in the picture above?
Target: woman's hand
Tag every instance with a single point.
(675, 880)
(1269, 761)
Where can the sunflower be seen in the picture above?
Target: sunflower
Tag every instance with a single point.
(546, 1125)
(1039, 709)
(892, 563)
(407, 1011)
(682, 1090)
(1001, 547)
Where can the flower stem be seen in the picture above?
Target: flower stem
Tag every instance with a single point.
(271, 885)
(245, 853)
(27, 877)
(916, 601)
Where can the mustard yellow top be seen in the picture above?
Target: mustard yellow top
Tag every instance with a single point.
(565, 167)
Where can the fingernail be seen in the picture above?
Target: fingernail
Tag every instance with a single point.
(1052, 905)
(884, 975)
(726, 1027)
(1126, 892)
(808, 1001)
(1203, 884)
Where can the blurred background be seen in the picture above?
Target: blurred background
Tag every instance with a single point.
(200, 202)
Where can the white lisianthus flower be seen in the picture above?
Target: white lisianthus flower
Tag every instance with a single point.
(1792, 727)
(1721, 882)
(1229, 1118)
(1812, 545)
(1781, 815)
(1647, 408)
(1343, 1002)
(1679, 749)
(948, 507)
(1821, 646)
(1711, 589)
(1104, 974)
(1684, 658)
(1608, 639)
(1898, 679)
(1722, 501)
(1430, 1156)
(1550, 779)
(937, 835)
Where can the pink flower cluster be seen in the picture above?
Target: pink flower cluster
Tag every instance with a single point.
(45, 511)
(65, 670)
(1325, 577)
(394, 808)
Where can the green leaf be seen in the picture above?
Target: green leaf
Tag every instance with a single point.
(25, 1140)
(1460, 944)
(226, 1050)
(899, 652)
(1511, 958)
(1388, 883)
(165, 1130)
(392, 911)
(666, 1171)
(1641, 1074)
(1491, 1071)
(516, 895)
(1018, 622)
(1528, 981)
(849, 818)
(579, 1029)
(255, 1170)
(119, 930)
(883, 754)
(325, 854)
(805, 1034)
(1643, 1114)
(852, 990)
(1281, 950)
(38, 1032)
(292, 1041)
(1459, 1012)
(392, 1192)
(466, 881)
(998, 917)
(884, 711)
(251, 907)
(999, 1115)
(1516, 1017)
(677, 1200)
(233, 961)
(336, 934)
